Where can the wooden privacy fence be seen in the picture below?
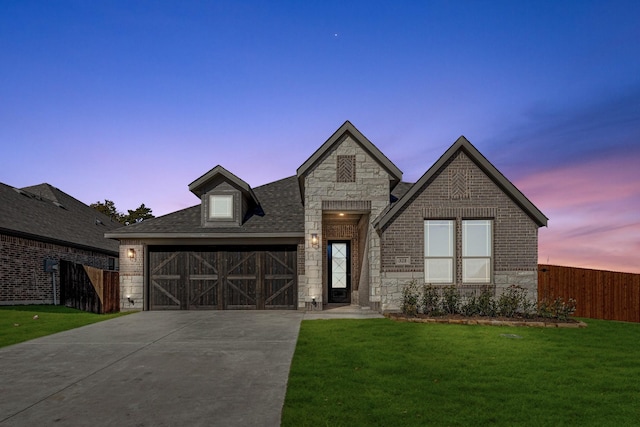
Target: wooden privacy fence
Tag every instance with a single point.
(89, 288)
(599, 294)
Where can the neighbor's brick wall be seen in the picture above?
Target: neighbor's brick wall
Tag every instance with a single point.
(22, 276)
(515, 245)
(371, 184)
(131, 275)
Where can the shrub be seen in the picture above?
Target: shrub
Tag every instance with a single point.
(470, 306)
(430, 299)
(486, 303)
(514, 302)
(410, 298)
(528, 307)
(508, 303)
(450, 300)
(557, 309)
(566, 309)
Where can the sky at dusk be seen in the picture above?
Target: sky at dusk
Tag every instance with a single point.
(133, 100)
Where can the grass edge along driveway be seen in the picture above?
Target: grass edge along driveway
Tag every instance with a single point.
(17, 323)
(385, 373)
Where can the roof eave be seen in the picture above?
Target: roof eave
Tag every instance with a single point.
(201, 235)
(44, 239)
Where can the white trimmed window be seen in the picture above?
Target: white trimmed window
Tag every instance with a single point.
(220, 206)
(476, 251)
(439, 243)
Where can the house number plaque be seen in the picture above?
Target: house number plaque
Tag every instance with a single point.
(403, 260)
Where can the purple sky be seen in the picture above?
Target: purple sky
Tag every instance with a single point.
(132, 101)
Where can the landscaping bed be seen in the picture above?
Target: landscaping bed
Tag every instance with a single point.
(458, 319)
(512, 307)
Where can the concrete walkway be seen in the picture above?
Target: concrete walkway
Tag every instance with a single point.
(195, 368)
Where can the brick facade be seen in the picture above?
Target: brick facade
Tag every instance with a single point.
(22, 276)
(460, 190)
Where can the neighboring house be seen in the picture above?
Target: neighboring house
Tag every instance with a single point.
(40, 224)
(344, 229)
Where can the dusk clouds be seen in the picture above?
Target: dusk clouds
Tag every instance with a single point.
(594, 211)
(581, 165)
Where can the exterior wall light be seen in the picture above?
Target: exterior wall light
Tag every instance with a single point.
(131, 253)
(314, 240)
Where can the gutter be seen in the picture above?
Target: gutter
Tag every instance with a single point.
(51, 240)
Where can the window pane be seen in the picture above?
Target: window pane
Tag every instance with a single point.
(339, 265)
(438, 270)
(220, 206)
(476, 270)
(438, 238)
(476, 238)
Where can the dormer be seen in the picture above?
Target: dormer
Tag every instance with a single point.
(226, 200)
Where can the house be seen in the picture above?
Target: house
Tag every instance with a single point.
(344, 230)
(39, 226)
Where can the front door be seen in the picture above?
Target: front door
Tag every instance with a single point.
(339, 263)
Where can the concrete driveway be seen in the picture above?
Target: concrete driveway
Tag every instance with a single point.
(183, 368)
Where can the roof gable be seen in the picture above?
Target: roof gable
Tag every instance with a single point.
(217, 175)
(494, 174)
(348, 129)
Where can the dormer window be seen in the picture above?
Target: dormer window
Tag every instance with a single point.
(226, 200)
(220, 206)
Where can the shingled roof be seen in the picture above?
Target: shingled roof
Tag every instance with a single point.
(282, 216)
(45, 213)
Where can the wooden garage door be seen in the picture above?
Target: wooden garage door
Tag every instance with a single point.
(233, 278)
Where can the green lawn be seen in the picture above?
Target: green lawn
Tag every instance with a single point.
(385, 373)
(17, 323)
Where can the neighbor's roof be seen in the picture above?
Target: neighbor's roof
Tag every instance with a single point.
(494, 174)
(43, 212)
(282, 215)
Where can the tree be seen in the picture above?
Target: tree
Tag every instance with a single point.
(137, 215)
(109, 209)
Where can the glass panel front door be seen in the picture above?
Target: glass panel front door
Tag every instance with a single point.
(339, 260)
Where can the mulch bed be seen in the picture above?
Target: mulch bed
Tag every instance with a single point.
(457, 319)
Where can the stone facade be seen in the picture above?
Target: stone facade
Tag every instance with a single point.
(22, 276)
(460, 190)
(323, 184)
(131, 275)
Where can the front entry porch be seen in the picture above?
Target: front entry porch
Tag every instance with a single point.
(345, 277)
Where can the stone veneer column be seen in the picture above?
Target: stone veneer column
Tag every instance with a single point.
(313, 257)
(131, 275)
